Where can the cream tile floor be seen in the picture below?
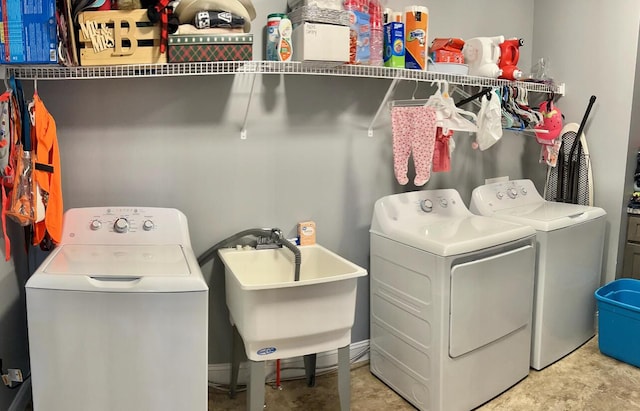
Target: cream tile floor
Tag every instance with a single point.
(584, 380)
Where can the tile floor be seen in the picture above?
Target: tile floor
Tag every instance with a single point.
(584, 380)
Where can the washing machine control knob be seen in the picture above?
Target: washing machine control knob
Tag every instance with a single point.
(121, 225)
(500, 195)
(523, 191)
(95, 225)
(512, 192)
(444, 203)
(147, 225)
(426, 205)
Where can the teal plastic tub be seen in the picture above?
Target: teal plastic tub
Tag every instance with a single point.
(619, 320)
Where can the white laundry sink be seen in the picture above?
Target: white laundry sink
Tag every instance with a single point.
(278, 317)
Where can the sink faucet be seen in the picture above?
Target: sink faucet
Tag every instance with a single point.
(274, 236)
(278, 238)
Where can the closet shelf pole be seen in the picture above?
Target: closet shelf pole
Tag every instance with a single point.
(243, 131)
(390, 91)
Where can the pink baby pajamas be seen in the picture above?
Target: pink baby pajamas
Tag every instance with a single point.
(414, 132)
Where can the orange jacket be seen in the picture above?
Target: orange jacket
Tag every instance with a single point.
(46, 152)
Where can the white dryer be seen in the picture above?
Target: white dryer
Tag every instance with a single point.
(451, 300)
(117, 315)
(570, 244)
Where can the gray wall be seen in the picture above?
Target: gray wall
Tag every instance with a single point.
(592, 46)
(174, 142)
(13, 321)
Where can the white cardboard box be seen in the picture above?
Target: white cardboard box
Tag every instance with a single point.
(316, 42)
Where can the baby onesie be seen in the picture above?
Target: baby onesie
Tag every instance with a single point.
(441, 153)
(414, 132)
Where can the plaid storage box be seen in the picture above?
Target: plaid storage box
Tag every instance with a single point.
(185, 48)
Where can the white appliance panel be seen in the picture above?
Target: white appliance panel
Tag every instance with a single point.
(118, 351)
(490, 298)
(138, 225)
(569, 272)
(118, 315)
(412, 301)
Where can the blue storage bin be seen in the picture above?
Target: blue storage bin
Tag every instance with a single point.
(619, 320)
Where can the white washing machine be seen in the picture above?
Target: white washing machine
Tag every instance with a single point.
(451, 300)
(118, 315)
(570, 244)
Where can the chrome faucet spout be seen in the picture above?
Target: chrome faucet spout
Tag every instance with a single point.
(273, 235)
(279, 239)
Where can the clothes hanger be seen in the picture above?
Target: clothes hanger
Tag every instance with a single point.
(410, 103)
(448, 116)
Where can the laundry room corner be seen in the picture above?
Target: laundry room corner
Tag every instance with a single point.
(229, 213)
(567, 33)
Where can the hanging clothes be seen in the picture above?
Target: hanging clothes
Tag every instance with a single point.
(489, 122)
(10, 134)
(47, 174)
(414, 133)
(442, 152)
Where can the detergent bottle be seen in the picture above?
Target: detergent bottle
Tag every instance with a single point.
(284, 46)
(509, 56)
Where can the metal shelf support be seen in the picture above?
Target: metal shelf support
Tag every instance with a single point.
(243, 131)
(383, 104)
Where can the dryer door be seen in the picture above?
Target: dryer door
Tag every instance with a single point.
(490, 298)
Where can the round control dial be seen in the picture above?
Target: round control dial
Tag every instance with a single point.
(121, 225)
(95, 225)
(148, 225)
(512, 192)
(523, 191)
(444, 203)
(499, 195)
(426, 205)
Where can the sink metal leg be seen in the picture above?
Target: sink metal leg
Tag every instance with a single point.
(344, 378)
(237, 356)
(255, 392)
(310, 369)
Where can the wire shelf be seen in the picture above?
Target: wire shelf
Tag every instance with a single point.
(263, 67)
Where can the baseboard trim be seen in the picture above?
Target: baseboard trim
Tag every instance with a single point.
(290, 367)
(22, 398)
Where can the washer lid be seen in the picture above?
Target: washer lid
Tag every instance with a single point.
(117, 260)
(132, 268)
(549, 216)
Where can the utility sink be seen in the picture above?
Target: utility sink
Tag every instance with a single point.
(278, 317)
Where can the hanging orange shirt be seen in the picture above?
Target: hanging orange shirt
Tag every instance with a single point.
(46, 150)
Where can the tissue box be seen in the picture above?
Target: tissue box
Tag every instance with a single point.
(184, 48)
(323, 4)
(313, 14)
(394, 45)
(29, 32)
(314, 42)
